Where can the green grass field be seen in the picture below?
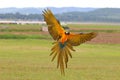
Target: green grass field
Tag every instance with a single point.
(28, 59)
(20, 27)
(37, 27)
(34, 31)
(97, 25)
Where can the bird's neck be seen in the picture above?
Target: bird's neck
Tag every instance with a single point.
(63, 39)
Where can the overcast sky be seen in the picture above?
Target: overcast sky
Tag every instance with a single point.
(60, 3)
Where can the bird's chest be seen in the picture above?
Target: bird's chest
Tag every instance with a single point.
(63, 39)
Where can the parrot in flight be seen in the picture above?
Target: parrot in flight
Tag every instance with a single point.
(64, 41)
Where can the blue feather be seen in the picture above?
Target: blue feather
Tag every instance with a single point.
(62, 45)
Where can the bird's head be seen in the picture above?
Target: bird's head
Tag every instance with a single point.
(67, 33)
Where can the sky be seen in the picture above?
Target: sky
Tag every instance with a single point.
(60, 3)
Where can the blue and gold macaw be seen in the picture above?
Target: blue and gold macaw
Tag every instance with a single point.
(64, 40)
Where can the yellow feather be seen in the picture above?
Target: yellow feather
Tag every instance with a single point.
(62, 55)
(54, 27)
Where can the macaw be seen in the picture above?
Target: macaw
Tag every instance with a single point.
(64, 41)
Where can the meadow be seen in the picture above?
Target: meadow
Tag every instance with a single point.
(28, 58)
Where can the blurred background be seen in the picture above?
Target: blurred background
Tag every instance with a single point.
(25, 42)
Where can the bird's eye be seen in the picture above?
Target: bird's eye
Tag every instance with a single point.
(80, 33)
(67, 33)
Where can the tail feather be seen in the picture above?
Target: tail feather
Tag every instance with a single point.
(54, 56)
(70, 47)
(54, 49)
(63, 53)
(68, 52)
(65, 58)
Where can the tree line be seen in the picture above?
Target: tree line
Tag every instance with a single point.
(100, 15)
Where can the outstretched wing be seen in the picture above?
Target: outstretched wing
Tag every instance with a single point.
(54, 26)
(77, 39)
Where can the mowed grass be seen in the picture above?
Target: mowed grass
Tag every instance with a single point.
(20, 27)
(95, 27)
(28, 59)
(78, 27)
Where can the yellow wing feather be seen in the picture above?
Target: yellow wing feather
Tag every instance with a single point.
(54, 26)
(77, 39)
(62, 55)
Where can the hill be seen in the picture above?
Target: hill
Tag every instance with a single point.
(98, 15)
(39, 10)
(69, 14)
